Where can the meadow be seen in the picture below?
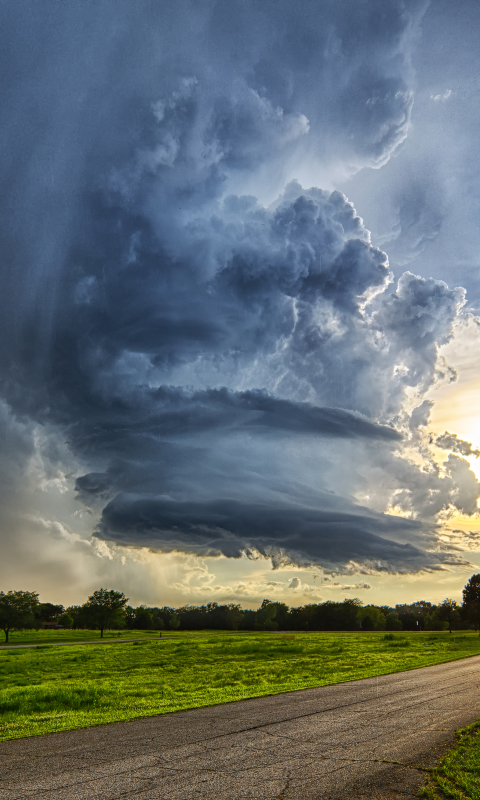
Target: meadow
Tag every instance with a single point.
(457, 775)
(46, 636)
(48, 688)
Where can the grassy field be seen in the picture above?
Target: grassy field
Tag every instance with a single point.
(49, 688)
(457, 775)
(52, 636)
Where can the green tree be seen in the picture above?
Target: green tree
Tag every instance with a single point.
(143, 619)
(265, 617)
(48, 612)
(372, 618)
(471, 599)
(174, 621)
(17, 611)
(129, 616)
(448, 612)
(65, 620)
(434, 621)
(282, 616)
(393, 622)
(158, 623)
(78, 615)
(105, 609)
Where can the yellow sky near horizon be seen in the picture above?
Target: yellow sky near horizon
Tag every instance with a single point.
(457, 405)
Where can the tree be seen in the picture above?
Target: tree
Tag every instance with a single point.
(393, 622)
(372, 618)
(471, 599)
(265, 617)
(434, 621)
(282, 616)
(143, 619)
(106, 609)
(17, 611)
(448, 611)
(48, 612)
(174, 621)
(79, 616)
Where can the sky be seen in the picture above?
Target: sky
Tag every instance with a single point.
(240, 306)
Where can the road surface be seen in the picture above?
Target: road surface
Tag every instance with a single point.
(365, 739)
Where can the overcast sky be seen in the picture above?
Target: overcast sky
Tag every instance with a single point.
(239, 348)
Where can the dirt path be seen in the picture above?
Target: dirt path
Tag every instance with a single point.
(365, 739)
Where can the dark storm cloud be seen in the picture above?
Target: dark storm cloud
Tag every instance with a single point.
(306, 536)
(185, 339)
(172, 412)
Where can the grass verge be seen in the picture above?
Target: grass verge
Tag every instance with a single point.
(50, 689)
(457, 775)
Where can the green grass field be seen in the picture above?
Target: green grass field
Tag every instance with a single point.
(52, 636)
(47, 688)
(457, 775)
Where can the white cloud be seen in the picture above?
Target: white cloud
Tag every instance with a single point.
(441, 98)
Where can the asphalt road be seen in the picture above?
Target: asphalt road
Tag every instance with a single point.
(365, 739)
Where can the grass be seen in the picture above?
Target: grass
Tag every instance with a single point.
(47, 688)
(457, 775)
(51, 636)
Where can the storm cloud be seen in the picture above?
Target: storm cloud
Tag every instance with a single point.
(224, 353)
(286, 534)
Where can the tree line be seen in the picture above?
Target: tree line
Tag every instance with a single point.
(109, 609)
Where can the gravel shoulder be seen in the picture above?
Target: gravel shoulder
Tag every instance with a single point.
(372, 738)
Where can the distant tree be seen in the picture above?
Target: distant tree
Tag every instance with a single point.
(48, 612)
(433, 621)
(347, 614)
(372, 618)
(79, 615)
(162, 616)
(411, 621)
(283, 616)
(143, 619)
(448, 612)
(392, 622)
(367, 623)
(105, 609)
(249, 620)
(233, 616)
(65, 620)
(174, 621)
(265, 617)
(471, 599)
(129, 616)
(328, 616)
(158, 623)
(17, 611)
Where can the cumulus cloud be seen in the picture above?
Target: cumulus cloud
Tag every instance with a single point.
(450, 441)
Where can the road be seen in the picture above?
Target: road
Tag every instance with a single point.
(365, 739)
